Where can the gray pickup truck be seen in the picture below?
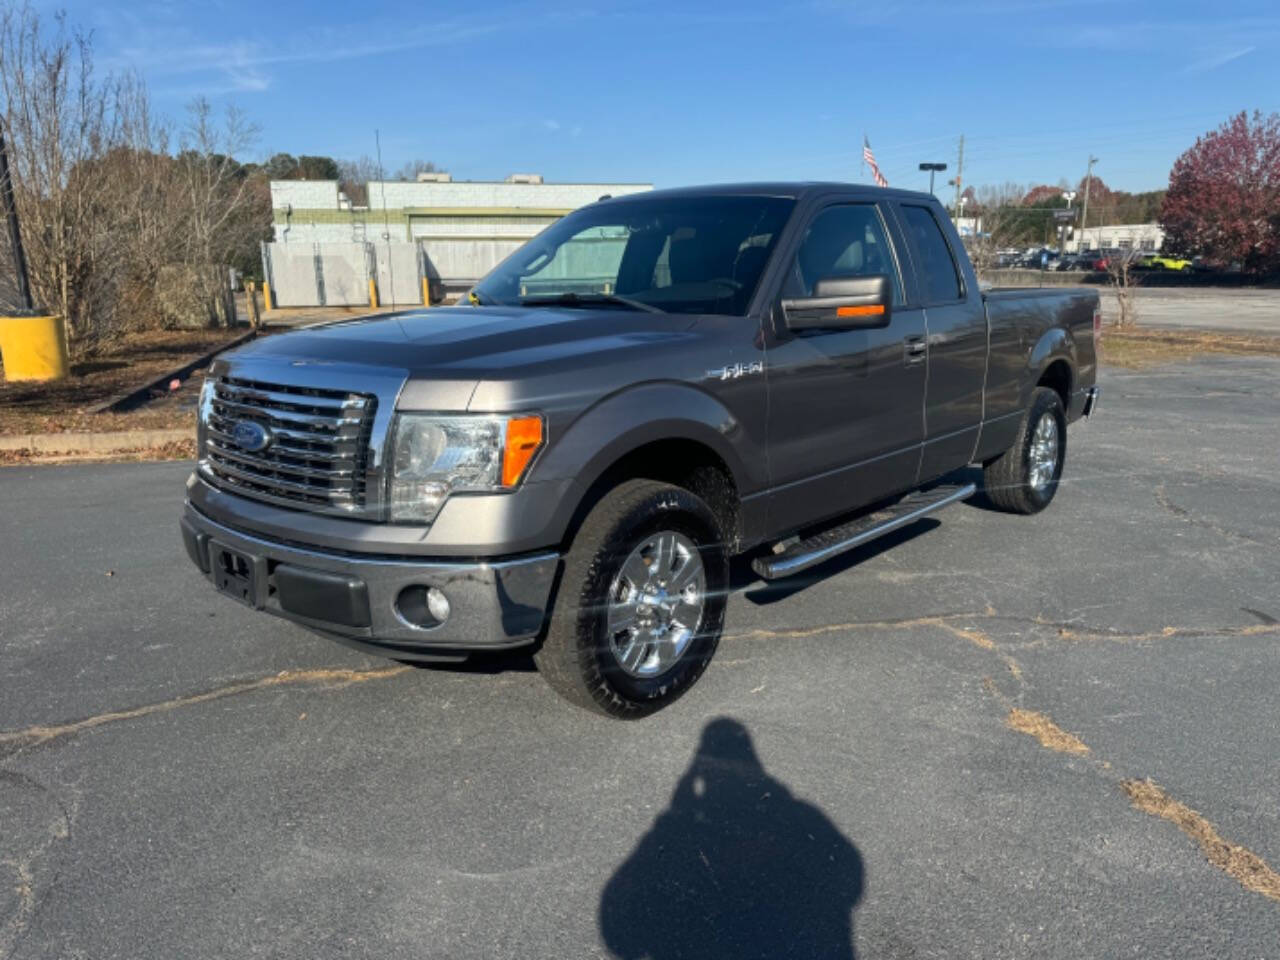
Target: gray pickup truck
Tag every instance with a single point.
(651, 386)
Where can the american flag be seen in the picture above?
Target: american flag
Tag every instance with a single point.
(870, 159)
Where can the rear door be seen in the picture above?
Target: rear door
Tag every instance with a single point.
(957, 331)
(845, 406)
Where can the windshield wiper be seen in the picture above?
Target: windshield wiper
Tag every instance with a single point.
(587, 299)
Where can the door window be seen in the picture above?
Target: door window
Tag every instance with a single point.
(939, 279)
(845, 240)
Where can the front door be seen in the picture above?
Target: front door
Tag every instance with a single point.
(845, 406)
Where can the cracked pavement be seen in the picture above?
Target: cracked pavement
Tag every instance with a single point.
(975, 704)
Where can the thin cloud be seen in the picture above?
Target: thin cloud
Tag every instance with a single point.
(1213, 63)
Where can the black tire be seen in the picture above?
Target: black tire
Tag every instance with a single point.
(1007, 478)
(576, 658)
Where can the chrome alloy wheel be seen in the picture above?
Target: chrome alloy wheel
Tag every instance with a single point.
(656, 604)
(1043, 457)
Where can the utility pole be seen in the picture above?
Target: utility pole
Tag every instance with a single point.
(15, 234)
(959, 179)
(1084, 214)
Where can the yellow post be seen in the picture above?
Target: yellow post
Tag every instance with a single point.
(34, 348)
(426, 292)
(373, 293)
(266, 295)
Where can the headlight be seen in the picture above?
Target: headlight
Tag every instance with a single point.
(204, 411)
(433, 456)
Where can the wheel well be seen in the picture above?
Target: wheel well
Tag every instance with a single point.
(1057, 377)
(681, 463)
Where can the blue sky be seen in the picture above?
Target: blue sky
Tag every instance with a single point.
(678, 93)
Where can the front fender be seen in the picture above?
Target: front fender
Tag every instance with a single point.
(631, 418)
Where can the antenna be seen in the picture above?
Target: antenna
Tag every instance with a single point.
(386, 218)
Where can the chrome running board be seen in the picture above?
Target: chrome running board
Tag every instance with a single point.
(803, 554)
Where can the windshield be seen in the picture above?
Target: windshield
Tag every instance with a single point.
(676, 254)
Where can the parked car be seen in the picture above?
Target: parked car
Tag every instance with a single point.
(1161, 261)
(702, 373)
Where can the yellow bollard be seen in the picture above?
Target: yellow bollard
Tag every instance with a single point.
(266, 295)
(33, 348)
(426, 292)
(373, 293)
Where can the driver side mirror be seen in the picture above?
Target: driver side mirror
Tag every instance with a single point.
(842, 302)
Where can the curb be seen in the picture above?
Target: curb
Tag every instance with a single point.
(126, 400)
(113, 442)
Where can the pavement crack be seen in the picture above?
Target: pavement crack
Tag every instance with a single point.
(1162, 498)
(1240, 863)
(1050, 735)
(333, 678)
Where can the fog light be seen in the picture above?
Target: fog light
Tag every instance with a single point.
(437, 604)
(423, 607)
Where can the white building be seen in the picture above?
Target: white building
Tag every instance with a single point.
(462, 228)
(1123, 236)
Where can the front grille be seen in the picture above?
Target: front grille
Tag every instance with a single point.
(318, 450)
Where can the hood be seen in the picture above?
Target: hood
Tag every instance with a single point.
(477, 341)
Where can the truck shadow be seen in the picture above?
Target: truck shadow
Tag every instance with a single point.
(764, 592)
(736, 866)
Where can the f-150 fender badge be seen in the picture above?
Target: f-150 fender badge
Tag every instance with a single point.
(734, 371)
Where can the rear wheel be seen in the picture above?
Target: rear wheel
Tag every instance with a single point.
(1025, 477)
(641, 602)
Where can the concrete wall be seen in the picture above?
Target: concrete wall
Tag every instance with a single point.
(398, 274)
(304, 194)
(544, 196)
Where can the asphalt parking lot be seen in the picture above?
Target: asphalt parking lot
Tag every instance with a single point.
(930, 748)
(1235, 309)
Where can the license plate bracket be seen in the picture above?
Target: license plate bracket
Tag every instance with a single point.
(239, 575)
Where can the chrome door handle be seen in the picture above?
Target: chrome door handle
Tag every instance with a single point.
(914, 350)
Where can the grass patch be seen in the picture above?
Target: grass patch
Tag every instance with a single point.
(1045, 730)
(1249, 869)
(1138, 348)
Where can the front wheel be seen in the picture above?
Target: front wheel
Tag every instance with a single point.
(641, 602)
(1025, 477)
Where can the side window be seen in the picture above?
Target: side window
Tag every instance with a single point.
(938, 276)
(848, 239)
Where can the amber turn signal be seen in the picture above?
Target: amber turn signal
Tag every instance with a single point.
(524, 437)
(874, 310)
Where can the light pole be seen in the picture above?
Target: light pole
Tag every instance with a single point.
(1067, 195)
(1088, 182)
(932, 168)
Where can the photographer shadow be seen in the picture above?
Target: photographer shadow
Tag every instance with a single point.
(735, 867)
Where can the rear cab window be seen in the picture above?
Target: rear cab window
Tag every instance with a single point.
(938, 275)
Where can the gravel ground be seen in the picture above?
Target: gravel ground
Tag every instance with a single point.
(925, 749)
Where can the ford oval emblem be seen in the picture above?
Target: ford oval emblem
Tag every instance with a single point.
(251, 436)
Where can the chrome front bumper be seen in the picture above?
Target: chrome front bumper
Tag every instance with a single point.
(494, 604)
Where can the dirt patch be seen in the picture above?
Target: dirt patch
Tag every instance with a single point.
(1045, 730)
(1249, 869)
(1139, 348)
(178, 450)
(58, 406)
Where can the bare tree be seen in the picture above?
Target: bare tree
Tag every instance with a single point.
(354, 177)
(60, 121)
(1124, 284)
(120, 232)
(410, 170)
(1002, 217)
